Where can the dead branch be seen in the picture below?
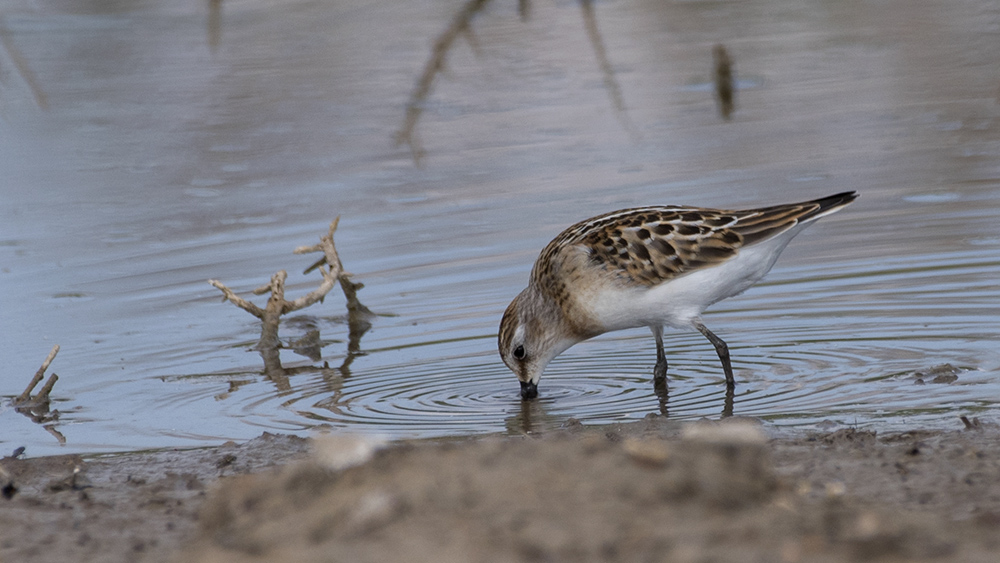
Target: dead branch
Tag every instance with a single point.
(47, 388)
(37, 408)
(43, 393)
(237, 300)
(332, 271)
(973, 424)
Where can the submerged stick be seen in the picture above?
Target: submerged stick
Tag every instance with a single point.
(26, 396)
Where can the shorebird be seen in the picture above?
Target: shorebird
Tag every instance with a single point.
(646, 266)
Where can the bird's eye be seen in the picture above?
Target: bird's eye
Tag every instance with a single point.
(519, 353)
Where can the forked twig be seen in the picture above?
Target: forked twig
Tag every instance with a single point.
(43, 393)
(277, 306)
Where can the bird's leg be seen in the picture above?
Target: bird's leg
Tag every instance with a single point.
(723, 351)
(660, 371)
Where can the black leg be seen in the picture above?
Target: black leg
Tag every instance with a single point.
(722, 349)
(660, 371)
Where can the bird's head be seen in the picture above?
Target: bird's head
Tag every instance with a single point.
(532, 333)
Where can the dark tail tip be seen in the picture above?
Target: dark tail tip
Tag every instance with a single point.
(836, 200)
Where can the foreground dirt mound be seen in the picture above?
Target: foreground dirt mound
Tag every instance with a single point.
(712, 495)
(652, 490)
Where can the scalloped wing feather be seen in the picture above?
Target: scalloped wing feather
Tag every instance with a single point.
(650, 245)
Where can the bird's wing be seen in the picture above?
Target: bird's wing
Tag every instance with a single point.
(650, 245)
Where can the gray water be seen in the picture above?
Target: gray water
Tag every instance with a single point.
(147, 147)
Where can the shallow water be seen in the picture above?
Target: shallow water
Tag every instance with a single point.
(147, 147)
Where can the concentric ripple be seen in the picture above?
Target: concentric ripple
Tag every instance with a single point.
(608, 380)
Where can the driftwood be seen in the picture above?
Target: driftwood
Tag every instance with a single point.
(43, 393)
(277, 306)
(37, 408)
(333, 272)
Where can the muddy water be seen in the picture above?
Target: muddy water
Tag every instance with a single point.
(147, 147)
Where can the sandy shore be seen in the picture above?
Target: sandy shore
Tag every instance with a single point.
(654, 490)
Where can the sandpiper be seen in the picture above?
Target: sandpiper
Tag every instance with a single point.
(646, 266)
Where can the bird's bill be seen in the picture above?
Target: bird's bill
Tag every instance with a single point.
(529, 390)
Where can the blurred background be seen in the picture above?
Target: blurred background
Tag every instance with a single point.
(147, 146)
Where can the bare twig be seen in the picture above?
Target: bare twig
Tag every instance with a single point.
(43, 393)
(37, 408)
(237, 300)
(26, 396)
(277, 305)
(973, 424)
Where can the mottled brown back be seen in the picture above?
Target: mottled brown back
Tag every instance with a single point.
(649, 245)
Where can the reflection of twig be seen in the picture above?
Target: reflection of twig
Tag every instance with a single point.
(610, 84)
(724, 87)
(458, 26)
(23, 69)
(214, 23)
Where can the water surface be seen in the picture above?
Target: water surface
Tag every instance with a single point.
(147, 147)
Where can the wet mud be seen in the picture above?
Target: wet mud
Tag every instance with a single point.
(652, 490)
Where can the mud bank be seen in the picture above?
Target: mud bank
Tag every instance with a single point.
(648, 491)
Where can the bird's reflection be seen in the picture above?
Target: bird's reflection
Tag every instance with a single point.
(532, 416)
(727, 404)
(662, 392)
